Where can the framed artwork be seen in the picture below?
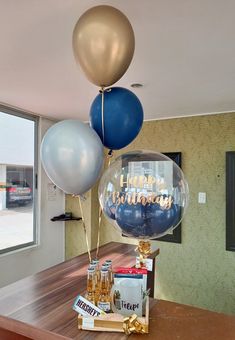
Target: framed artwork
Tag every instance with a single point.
(230, 200)
(175, 235)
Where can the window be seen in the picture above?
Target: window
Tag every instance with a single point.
(18, 179)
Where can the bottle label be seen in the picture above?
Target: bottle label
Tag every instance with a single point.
(105, 306)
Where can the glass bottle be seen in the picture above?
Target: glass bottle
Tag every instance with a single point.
(95, 263)
(109, 263)
(117, 300)
(90, 293)
(104, 300)
(106, 267)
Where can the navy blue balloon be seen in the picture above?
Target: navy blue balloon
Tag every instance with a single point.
(123, 117)
(159, 220)
(130, 218)
(146, 221)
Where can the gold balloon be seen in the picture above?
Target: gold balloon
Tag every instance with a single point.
(103, 44)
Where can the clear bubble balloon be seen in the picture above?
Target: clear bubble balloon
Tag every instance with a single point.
(144, 194)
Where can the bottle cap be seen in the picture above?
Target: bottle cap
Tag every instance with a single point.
(95, 261)
(105, 266)
(92, 265)
(104, 270)
(90, 269)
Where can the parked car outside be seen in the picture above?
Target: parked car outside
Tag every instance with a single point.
(18, 192)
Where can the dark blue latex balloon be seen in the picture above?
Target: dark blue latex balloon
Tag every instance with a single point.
(123, 117)
(131, 219)
(159, 220)
(146, 221)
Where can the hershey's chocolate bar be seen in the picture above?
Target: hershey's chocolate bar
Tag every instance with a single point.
(86, 308)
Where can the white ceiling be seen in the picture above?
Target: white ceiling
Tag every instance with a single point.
(184, 56)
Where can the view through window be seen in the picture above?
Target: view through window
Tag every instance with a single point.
(17, 180)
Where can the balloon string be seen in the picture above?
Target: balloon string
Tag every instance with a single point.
(109, 156)
(102, 111)
(98, 237)
(84, 227)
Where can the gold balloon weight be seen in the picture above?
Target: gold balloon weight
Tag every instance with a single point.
(144, 249)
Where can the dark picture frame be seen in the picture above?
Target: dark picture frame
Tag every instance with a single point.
(175, 236)
(230, 200)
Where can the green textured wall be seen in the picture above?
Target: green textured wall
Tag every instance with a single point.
(198, 271)
(75, 240)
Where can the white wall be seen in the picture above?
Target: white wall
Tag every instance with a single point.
(50, 251)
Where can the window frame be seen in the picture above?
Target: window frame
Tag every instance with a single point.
(35, 119)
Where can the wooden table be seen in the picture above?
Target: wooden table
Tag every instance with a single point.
(40, 307)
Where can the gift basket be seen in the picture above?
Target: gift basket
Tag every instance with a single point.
(115, 301)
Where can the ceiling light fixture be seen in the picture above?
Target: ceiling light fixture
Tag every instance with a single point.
(136, 85)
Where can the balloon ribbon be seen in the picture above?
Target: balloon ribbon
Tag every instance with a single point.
(84, 227)
(98, 236)
(102, 111)
(109, 156)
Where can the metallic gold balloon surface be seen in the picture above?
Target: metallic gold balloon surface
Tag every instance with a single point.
(103, 44)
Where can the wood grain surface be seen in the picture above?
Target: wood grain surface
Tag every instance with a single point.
(40, 307)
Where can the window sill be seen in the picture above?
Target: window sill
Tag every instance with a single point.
(22, 249)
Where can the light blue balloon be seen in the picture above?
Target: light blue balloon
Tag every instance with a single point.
(72, 156)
